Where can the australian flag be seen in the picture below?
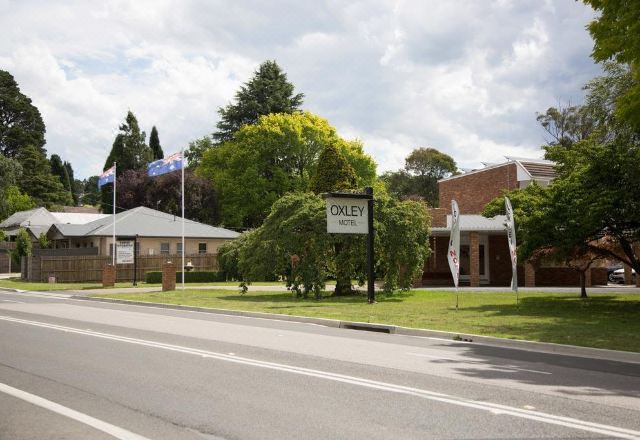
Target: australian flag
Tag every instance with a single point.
(166, 165)
(107, 176)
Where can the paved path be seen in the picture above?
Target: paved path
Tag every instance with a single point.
(86, 370)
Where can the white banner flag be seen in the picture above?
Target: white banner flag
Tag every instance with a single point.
(511, 235)
(453, 254)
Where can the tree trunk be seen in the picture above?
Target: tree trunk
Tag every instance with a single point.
(583, 285)
(343, 275)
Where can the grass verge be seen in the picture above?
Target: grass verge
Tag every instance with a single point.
(601, 321)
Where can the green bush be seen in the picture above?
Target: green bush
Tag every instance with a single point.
(189, 277)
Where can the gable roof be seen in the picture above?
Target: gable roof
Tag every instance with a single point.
(143, 222)
(35, 217)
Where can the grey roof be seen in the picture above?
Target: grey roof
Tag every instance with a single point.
(77, 218)
(145, 222)
(37, 216)
(476, 223)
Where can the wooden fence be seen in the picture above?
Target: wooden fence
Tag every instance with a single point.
(71, 269)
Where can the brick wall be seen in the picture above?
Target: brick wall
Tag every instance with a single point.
(564, 276)
(474, 190)
(439, 217)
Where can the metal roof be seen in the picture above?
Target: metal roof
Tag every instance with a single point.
(77, 218)
(37, 216)
(476, 223)
(144, 222)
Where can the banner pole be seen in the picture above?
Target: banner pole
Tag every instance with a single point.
(182, 190)
(115, 178)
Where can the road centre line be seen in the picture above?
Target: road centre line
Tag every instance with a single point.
(508, 367)
(105, 427)
(496, 409)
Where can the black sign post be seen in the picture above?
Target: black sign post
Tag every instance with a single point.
(343, 218)
(371, 291)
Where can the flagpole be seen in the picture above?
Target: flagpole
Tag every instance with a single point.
(113, 261)
(182, 184)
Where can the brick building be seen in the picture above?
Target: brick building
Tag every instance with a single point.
(484, 252)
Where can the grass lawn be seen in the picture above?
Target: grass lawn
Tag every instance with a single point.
(602, 321)
(17, 283)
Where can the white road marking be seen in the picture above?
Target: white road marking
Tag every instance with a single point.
(11, 301)
(507, 367)
(108, 428)
(494, 408)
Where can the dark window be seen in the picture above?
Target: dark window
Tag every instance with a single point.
(202, 248)
(164, 248)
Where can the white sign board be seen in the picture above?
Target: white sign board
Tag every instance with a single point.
(124, 252)
(347, 216)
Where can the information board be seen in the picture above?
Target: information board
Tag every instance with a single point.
(124, 252)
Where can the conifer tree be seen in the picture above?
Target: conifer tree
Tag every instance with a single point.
(154, 144)
(267, 92)
(333, 173)
(37, 180)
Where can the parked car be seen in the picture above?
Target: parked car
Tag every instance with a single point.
(611, 270)
(617, 276)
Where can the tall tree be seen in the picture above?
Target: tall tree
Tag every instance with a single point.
(154, 144)
(267, 92)
(59, 170)
(37, 180)
(616, 36)
(566, 124)
(129, 151)
(20, 121)
(419, 179)
(75, 185)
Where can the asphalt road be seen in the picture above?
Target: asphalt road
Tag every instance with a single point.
(76, 369)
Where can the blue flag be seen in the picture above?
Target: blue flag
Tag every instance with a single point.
(166, 165)
(107, 177)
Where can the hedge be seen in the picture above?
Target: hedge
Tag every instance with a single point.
(189, 277)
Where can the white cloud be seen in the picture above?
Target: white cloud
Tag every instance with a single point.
(463, 76)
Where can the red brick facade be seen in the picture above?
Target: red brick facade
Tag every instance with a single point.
(474, 190)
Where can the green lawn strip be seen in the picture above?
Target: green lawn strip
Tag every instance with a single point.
(601, 321)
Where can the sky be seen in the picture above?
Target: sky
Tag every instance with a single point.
(466, 77)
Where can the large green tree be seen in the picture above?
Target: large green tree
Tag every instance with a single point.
(419, 179)
(264, 161)
(267, 92)
(38, 182)
(154, 144)
(616, 35)
(20, 121)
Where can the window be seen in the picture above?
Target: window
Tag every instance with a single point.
(202, 248)
(179, 248)
(164, 248)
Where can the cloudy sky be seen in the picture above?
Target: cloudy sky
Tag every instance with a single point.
(463, 76)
